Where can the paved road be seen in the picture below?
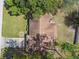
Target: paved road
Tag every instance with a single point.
(2, 44)
(1, 16)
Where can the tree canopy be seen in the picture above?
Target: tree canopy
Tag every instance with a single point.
(70, 5)
(37, 7)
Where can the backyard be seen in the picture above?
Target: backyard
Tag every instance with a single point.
(13, 26)
(64, 33)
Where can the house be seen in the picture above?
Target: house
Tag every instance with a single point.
(42, 32)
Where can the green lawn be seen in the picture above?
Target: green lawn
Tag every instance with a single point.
(64, 32)
(13, 26)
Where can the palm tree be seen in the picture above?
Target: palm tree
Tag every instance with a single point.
(72, 19)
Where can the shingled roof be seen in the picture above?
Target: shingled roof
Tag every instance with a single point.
(34, 27)
(42, 26)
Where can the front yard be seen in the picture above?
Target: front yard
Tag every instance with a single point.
(13, 26)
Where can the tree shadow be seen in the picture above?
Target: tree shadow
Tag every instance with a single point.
(72, 19)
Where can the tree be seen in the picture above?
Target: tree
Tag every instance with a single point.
(32, 9)
(9, 2)
(70, 48)
(37, 7)
(72, 19)
(13, 10)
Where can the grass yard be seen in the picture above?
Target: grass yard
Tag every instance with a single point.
(64, 33)
(13, 26)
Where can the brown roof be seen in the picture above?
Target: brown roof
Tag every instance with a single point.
(34, 27)
(43, 26)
